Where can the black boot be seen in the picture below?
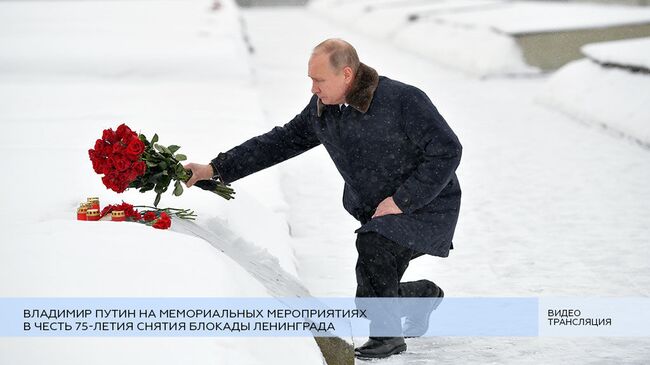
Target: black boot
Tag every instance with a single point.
(416, 324)
(380, 347)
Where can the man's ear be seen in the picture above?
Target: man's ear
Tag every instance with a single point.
(347, 71)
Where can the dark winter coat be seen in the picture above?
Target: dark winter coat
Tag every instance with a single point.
(391, 141)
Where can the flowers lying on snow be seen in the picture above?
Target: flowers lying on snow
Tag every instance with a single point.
(157, 218)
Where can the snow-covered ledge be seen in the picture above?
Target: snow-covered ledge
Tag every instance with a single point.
(607, 89)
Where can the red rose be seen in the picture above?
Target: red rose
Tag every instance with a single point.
(119, 162)
(123, 130)
(140, 167)
(108, 168)
(136, 216)
(163, 222)
(102, 148)
(99, 145)
(115, 182)
(118, 148)
(128, 209)
(135, 149)
(99, 165)
(109, 136)
(108, 181)
(123, 179)
(121, 185)
(128, 138)
(149, 216)
(107, 209)
(131, 174)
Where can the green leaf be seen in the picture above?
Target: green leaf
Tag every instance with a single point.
(154, 139)
(155, 202)
(162, 184)
(178, 188)
(163, 150)
(180, 157)
(151, 164)
(173, 148)
(179, 169)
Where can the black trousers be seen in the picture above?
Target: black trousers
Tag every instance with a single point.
(380, 267)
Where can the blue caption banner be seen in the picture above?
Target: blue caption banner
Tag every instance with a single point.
(341, 317)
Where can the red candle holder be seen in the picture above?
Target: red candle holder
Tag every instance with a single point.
(92, 214)
(81, 212)
(94, 203)
(118, 216)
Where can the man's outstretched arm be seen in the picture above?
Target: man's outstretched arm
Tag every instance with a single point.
(258, 153)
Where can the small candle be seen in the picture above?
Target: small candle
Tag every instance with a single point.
(81, 212)
(118, 216)
(92, 214)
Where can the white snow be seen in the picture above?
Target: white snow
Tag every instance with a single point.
(474, 50)
(100, 39)
(541, 16)
(606, 96)
(602, 96)
(629, 52)
(66, 258)
(387, 20)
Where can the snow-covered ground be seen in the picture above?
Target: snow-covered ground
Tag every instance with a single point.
(550, 208)
(608, 89)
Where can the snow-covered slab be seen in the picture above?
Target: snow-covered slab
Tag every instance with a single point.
(634, 53)
(384, 18)
(475, 51)
(64, 258)
(611, 98)
(541, 17)
(68, 258)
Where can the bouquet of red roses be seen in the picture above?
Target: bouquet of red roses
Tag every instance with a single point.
(128, 160)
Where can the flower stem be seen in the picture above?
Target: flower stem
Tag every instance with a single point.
(180, 213)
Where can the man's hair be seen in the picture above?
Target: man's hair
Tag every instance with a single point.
(341, 54)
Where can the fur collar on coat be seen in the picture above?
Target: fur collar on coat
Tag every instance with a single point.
(362, 90)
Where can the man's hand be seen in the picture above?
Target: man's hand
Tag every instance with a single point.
(199, 172)
(387, 206)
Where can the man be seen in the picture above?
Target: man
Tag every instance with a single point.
(397, 156)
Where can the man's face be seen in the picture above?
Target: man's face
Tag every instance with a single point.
(326, 83)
